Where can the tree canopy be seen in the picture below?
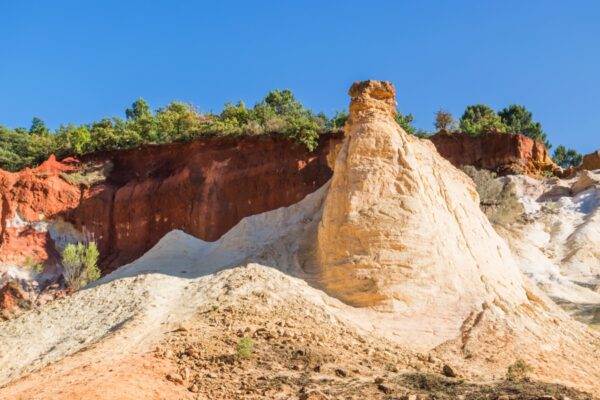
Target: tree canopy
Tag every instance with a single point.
(518, 119)
(479, 118)
(279, 113)
(566, 157)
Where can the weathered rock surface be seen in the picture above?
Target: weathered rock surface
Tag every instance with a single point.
(402, 229)
(591, 161)
(557, 241)
(402, 233)
(505, 153)
(204, 188)
(397, 234)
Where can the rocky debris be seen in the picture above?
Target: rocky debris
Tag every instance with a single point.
(505, 153)
(584, 181)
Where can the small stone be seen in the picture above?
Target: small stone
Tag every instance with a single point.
(384, 389)
(449, 371)
(194, 388)
(379, 380)
(341, 373)
(175, 378)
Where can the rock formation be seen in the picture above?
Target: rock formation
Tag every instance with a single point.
(204, 188)
(498, 151)
(402, 233)
(557, 241)
(591, 161)
(401, 228)
(400, 261)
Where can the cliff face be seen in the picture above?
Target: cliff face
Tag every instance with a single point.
(203, 188)
(502, 152)
(591, 161)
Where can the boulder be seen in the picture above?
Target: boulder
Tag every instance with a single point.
(585, 180)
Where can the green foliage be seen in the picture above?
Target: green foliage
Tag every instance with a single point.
(479, 118)
(245, 348)
(80, 264)
(279, 113)
(406, 123)
(518, 370)
(339, 119)
(567, 157)
(38, 127)
(497, 198)
(518, 119)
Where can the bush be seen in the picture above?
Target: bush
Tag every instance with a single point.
(518, 371)
(497, 198)
(245, 348)
(80, 264)
(479, 118)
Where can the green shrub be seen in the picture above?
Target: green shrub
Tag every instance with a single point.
(497, 198)
(80, 264)
(479, 118)
(518, 370)
(245, 348)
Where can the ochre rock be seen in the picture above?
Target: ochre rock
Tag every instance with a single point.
(591, 161)
(202, 187)
(401, 227)
(498, 151)
(402, 236)
(28, 199)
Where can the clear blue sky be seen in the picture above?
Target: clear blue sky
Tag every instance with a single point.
(78, 61)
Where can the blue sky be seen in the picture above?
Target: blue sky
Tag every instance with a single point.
(78, 61)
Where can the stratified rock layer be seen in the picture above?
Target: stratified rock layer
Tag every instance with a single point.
(203, 187)
(498, 151)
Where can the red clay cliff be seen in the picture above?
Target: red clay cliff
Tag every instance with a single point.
(204, 188)
(504, 153)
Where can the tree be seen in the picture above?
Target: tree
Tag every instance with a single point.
(177, 121)
(73, 139)
(141, 121)
(139, 109)
(80, 264)
(479, 118)
(339, 119)
(444, 121)
(406, 123)
(566, 157)
(518, 119)
(38, 127)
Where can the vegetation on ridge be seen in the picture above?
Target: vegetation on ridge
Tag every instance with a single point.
(279, 113)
